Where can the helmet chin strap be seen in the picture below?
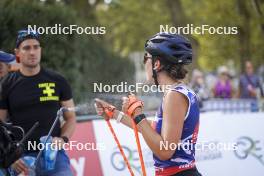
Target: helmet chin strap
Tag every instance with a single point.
(154, 73)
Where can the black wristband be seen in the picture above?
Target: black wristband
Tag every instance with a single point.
(65, 139)
(139, 118)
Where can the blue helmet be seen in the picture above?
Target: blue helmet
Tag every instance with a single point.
(6, 57)
(174, 48)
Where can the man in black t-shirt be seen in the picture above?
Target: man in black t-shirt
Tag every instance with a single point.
(36, 94)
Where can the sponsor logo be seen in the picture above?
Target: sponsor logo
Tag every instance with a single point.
(48, 90)
(247, 147)
(119, 164)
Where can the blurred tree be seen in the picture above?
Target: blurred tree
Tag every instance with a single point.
(131, 22)
(258, 5)
(218, 49)
(82, 59)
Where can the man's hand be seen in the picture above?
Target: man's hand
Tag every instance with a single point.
(59, 142)
(19, 166)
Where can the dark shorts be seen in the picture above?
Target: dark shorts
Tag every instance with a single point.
(189, 172)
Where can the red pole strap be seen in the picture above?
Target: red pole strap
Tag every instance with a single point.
(120, 147)
(133, 105)
(139, 148)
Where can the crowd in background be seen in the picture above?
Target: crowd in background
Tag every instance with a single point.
(225, 85)
(222, 84)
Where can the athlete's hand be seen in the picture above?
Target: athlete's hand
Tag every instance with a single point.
(126, 103)
(138, 111)
(99, 107)
(20, 167)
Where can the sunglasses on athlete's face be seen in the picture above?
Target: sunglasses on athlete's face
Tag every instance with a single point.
(146, 57)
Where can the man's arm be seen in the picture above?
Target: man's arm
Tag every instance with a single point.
(3, 114)
(68, 127)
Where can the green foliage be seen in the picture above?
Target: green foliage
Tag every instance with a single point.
(85, 59)
(132, 22)
(82, 59)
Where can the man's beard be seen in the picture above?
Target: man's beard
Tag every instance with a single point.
(31, 66)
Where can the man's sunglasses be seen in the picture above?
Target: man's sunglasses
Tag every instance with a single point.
(25, 33)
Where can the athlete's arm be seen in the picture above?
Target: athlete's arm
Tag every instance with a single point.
(127, 120)
(174, 110)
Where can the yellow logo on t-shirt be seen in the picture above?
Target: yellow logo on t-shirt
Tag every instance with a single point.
(48, 91)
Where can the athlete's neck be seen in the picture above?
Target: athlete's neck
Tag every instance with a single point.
(30, 71)
(165, 81)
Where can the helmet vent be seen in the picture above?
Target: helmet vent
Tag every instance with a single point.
(175, 47)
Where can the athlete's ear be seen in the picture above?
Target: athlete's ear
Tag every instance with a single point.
(157, 65)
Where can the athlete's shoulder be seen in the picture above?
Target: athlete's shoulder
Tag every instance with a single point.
(11, 77)
(182, 88)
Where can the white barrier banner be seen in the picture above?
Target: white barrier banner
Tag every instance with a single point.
(228, 144)
(246, 130)
(111, 160)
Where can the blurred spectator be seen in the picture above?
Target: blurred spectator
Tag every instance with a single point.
(223, 87)
(198, 85)
(249, 84)
(261, 74)
(5, 63)
(210, 80)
